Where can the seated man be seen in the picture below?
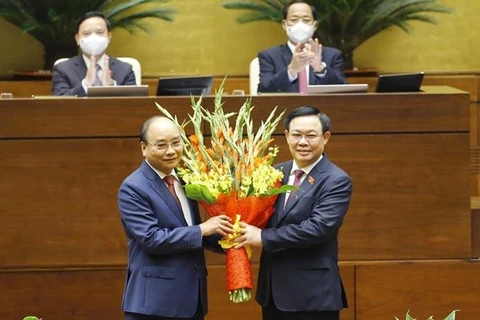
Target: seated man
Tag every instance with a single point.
(302, 60)
(93, 67)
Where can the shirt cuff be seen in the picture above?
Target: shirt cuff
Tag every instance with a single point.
(321, 75)
(84, 85)
(291, 77)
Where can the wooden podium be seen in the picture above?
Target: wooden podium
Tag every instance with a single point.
(405, 243)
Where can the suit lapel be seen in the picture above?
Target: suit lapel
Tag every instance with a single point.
(80, 67)
(162, 190)
(279, 204)
(111, 65)
(286, 54)
(310, 181)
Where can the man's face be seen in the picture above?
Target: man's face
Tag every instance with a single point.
(94, 25)
(163, 147)
(305, 139)
(298, 12)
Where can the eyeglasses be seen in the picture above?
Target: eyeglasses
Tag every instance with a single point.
(310, 137)
(162, 146)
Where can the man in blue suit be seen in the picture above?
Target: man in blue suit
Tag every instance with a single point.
(299, 278)
(166, 274)
(93, 67)
(282, 68)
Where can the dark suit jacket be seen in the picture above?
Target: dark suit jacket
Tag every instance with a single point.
(67, 76)
(298, 265)
(274, 63)
(166, 274)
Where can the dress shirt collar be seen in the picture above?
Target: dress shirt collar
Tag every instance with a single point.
(161, 174)
(99, 62)
(306, 169)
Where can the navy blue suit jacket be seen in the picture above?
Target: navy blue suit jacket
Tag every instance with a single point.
(298, 265)
(67, 76)
(274, 63)
(166, 274)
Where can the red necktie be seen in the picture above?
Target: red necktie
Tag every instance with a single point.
(302, 81)
(298, 175)
(170, 180)
(171, 187)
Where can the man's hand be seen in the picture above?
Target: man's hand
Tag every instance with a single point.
(250, 235)
(106, 73)
(218, 224)
(302, 56)
(91, 72)
(315, 48)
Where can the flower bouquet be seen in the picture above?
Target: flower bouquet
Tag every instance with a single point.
(232, 175)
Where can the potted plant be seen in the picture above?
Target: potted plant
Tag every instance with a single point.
(451, 316)
(345, 25)
(53, 22)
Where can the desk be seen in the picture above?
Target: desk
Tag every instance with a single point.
(63, 161)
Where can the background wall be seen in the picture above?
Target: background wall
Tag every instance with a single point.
(204, 38)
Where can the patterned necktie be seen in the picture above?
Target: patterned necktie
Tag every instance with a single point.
(298, 175)
(302, 81)
(98, 81)
(170, 180)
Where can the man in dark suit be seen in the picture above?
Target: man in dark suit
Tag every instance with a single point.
(284, 67)
(299, 278)
(92, 67)
(166, 274)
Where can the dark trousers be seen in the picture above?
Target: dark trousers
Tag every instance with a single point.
(270, 312)
(136, 316)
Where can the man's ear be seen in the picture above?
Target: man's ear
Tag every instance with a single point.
(284, 24)
(326, 136)
(143, 147)
(315, 25)
(77, 38)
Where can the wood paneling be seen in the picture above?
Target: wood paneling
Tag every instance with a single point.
(398, 177)
(442, 109)
(59, 202)
(404, 195)
(430, 288)
(375, 291)
(62, 294)
(408, 155)
(97, 294)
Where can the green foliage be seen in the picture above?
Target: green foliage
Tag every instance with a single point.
(31, 318)
(346, 24)
(451, 316)
(53, 22)
(199, 192)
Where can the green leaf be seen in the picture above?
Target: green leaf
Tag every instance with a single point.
(31, 318)
(199, 192)
(451, 316)
(282, 189)
(408, 317)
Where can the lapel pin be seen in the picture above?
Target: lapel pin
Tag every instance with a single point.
(311, 180)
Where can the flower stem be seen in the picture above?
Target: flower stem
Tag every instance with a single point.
(240, 295)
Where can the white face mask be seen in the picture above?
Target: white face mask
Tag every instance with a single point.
(300, 32)
(94, 44)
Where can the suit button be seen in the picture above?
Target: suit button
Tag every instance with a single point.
(196, 267)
